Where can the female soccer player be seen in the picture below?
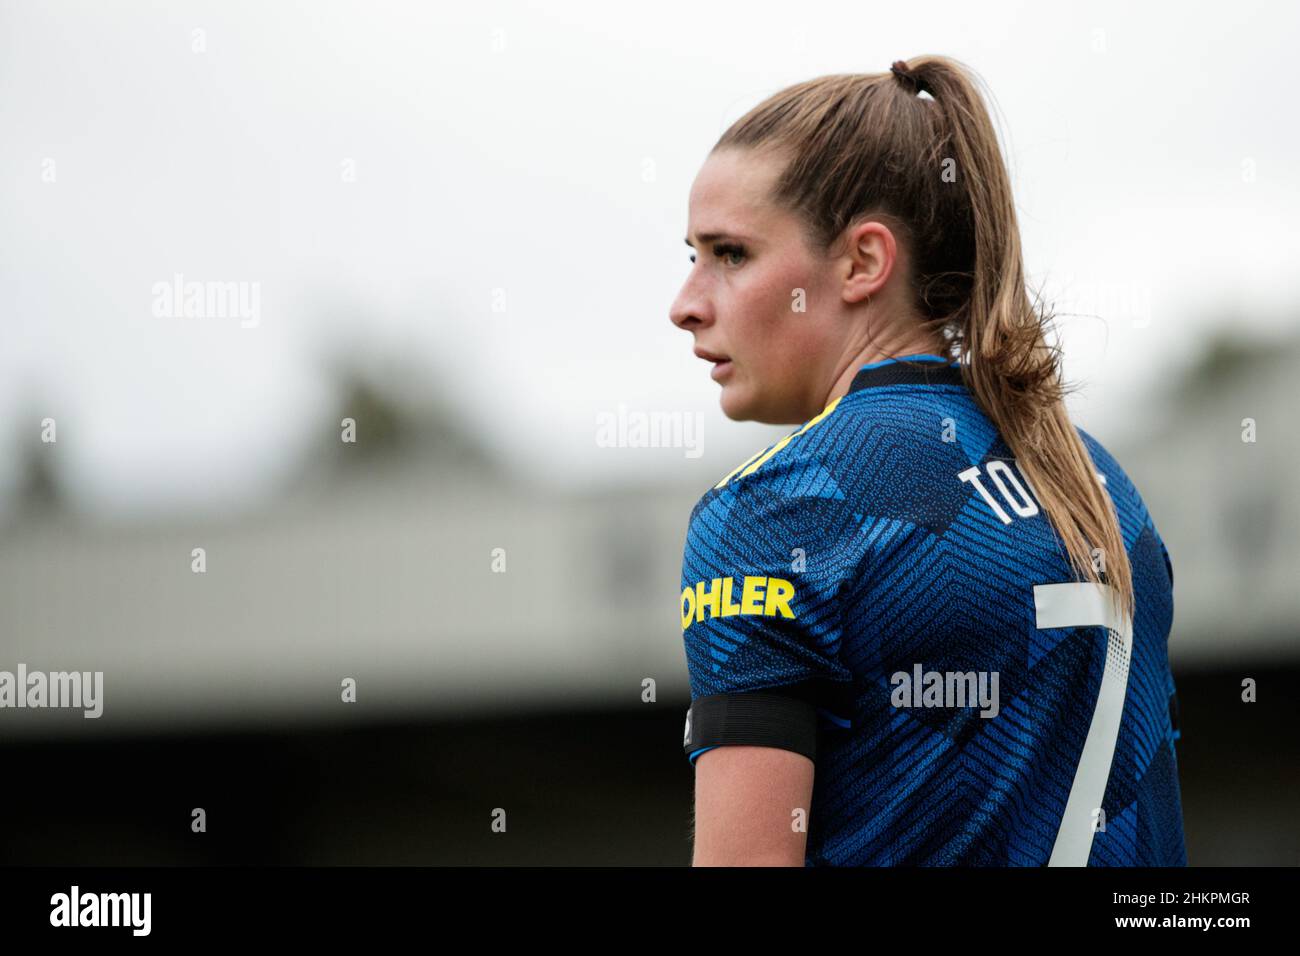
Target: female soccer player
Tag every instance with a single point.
(937, 591)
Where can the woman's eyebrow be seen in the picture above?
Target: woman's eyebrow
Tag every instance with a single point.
(707, 237)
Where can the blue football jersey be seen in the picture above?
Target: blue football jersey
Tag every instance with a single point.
(881, 591)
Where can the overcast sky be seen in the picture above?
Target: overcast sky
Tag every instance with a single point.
(500, 192)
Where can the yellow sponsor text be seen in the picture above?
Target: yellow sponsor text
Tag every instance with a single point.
(722, 597)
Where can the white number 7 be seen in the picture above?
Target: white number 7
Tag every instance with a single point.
(1086, 604)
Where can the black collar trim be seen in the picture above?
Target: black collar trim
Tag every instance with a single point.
(903, 372)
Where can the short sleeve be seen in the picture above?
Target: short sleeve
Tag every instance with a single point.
(762, 583)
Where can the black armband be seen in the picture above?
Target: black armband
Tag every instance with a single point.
(785, 717)
(756, 718)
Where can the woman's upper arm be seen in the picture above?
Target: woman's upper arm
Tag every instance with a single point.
(751, 806)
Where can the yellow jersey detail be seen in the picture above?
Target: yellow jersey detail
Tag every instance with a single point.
(732, 474)
(748, 466)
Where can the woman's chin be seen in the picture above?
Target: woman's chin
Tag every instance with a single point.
(732, 405)
(738, 405)
(742, 406)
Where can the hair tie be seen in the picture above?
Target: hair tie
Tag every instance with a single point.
(913, 82)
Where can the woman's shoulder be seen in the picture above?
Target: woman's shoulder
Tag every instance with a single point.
(1122, 489)
(1105, 462)
(792, 486)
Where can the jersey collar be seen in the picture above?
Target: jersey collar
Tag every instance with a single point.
(922, 369)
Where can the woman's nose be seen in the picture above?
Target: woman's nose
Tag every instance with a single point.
(688, 310)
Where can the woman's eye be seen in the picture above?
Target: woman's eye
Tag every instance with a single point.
(734, 254)
(728, 251)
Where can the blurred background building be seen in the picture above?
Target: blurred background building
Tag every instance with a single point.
(524, 689)
(474, 218)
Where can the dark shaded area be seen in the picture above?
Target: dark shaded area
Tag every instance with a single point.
(1239, 766)
(590, 788)
(597, 788)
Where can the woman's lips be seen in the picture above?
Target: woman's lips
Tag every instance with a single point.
(721, 364)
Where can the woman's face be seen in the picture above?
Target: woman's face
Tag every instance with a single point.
(762, 307)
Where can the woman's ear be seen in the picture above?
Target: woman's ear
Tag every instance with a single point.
(869, 260)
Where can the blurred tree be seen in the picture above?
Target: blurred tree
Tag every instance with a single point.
(37, 492)
(38, 489)
(1227, 356)
(396, 419)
